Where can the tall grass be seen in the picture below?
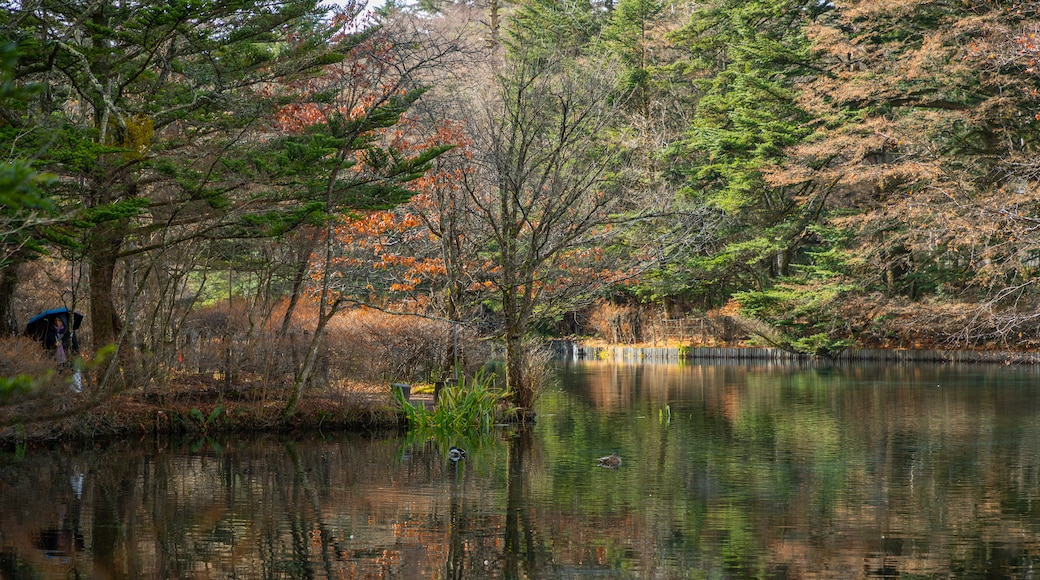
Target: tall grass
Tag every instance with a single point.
(467, 408)
(364, 345)
(27, 371)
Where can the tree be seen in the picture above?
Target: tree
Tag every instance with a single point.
(23, 206)
(629, 35)
(745, 58)
(347, 153)
(545, 188)
(143, 107)
(928, 141)
(20, 198)
(674, 229)
(443, 209)
(551, 28)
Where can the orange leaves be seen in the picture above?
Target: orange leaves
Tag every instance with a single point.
(372, 225)
(294, 118)
(415, 271)
(352, 88)
(481, 286)
(449, 180)
(385, 249)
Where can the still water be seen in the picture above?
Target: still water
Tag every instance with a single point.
(729, 471)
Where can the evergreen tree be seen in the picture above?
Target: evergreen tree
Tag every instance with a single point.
(628, 36)
(550, 28)
(143, 107)
(24, 209)
(745, 59)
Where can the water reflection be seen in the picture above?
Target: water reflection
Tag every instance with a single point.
(728, 471)
(840, 472)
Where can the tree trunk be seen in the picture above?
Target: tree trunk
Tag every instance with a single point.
(516, 381)
(512, 329)
(294, 297)
(299, 276)
(493, 23)
(101, 254)
(307, 368)
(325, 313)
(8, 283)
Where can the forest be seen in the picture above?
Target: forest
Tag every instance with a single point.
(276, 198)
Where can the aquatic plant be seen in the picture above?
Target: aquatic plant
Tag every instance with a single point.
(469, 407)
(204, 421)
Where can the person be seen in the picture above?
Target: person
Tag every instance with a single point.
(61, 340)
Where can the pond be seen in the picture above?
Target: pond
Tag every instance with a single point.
(728, 471)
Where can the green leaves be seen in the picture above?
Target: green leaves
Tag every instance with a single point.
(20, 189)
(799, 316)
(465, 409)
(11, 387)
(24, 206)
(116, 211)
(544, 28)
(746, 61)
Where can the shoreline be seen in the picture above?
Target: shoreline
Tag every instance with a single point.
(72, 419)
(134, 413)
(571, 350)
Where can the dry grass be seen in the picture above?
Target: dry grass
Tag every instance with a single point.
(362, 345)
(650, 325)
(376, 346)
(616, 324)
(226, 372)
(23, 356)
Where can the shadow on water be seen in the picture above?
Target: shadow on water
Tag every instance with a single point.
(727, 471)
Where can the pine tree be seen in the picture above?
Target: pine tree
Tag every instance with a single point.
(143, 105)
(745, 59)
(24, 208)
(551, 28)
(929, 138)
(627, 35)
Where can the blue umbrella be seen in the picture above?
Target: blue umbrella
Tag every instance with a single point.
(38, 324)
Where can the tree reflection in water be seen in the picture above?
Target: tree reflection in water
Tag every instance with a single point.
(282, 509)
(791, 472)
(519, 532)
(455, 564)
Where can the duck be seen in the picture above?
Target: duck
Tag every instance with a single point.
(612, 461)
(456, 453)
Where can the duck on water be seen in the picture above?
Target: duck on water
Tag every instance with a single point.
(612, 461)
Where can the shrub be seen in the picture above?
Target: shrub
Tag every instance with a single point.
(380, 347)
(360, 346)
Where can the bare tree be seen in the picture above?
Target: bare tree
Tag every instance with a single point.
(546, 186)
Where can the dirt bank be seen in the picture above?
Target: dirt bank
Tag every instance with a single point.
(199, 409)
